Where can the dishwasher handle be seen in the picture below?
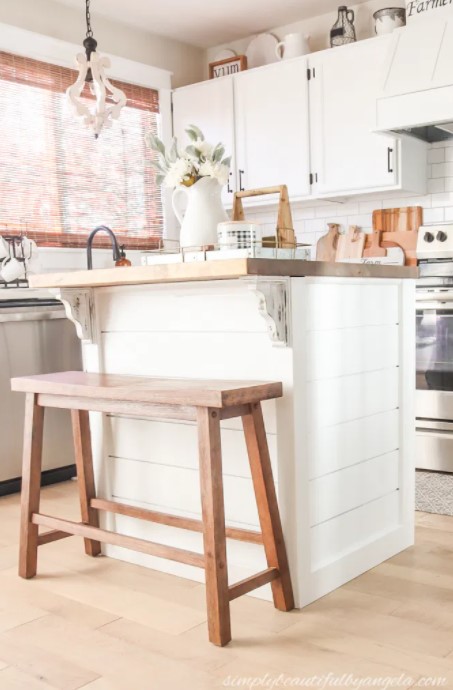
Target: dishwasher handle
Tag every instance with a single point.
(7, 316)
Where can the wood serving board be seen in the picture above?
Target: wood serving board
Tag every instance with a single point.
(396, 227)
(351, 244)
(373, 247)
(326, 247)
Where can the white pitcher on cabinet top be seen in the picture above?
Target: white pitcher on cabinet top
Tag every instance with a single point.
(203, 213)
(292, 46)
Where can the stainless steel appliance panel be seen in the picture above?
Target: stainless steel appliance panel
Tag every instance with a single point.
(34, 340)
(434, 340)
(434, 448)
(434, 405)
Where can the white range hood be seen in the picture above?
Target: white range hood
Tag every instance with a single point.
(417, 95)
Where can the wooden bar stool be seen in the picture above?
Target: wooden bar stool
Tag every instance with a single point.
(207, 403)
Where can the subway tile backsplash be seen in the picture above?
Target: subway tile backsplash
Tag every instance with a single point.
(311, 223)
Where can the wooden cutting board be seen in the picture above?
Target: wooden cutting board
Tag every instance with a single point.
(373, 247)
(398, 227)
(326, 247)
(351, 244)
(406, 219)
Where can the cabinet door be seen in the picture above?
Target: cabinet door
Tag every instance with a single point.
(209, 106)
(346, 154)
(271, 115)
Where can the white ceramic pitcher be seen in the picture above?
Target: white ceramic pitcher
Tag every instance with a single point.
(203, 213)
(292, 46)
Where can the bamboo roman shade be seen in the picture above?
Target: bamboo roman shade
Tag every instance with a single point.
(57, 182)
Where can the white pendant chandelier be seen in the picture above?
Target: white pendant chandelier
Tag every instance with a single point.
(108, 98)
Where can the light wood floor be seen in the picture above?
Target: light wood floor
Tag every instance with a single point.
(100, 624)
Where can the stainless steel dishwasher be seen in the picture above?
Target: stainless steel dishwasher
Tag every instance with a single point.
(35, 338)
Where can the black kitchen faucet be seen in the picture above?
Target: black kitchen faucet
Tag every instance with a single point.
(115, 246)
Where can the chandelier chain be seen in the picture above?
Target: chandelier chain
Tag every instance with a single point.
(88, 18)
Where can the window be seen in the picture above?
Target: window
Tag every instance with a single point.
(57, 182)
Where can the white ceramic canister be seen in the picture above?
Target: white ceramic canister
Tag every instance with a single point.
(238, 234)
(389, 19)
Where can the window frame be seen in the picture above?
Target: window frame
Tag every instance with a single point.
(55, 51)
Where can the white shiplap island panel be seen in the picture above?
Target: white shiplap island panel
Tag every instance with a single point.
(341, 438)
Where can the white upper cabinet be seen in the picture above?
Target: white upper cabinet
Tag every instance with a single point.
(272, 135)
(346, 155)
(210, 107)
(316, 135)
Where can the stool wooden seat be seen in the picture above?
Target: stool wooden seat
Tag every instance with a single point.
(207, 403)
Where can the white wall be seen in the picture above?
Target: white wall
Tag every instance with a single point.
(311, 222)
(54, 19)
(318, 28)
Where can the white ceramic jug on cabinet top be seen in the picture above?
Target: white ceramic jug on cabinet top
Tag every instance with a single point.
(292, 46)
(203, 213)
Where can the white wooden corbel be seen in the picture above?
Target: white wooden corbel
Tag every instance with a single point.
(79, 308)
(273, 305)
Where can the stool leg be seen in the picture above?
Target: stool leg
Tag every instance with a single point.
(271, 527)
(31, 485)
(217, 595)
(85, 475)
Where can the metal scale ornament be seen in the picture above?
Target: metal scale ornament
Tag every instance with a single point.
(109, 99)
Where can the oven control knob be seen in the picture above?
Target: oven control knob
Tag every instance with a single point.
(428, 237)
(441, 236)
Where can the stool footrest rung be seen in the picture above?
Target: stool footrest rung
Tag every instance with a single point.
(53, 535)
(96, 533)
(171, 520)
(253, 582)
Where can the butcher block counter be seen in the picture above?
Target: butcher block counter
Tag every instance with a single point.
(219, 270)
(341, 338)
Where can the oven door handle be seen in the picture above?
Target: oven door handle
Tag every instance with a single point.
(433, 435)
(430, 425)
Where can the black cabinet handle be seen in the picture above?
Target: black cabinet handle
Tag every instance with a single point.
(229, 190)
(389, 159)
(241, 188)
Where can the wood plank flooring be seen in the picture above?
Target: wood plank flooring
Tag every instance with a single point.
(101, 624)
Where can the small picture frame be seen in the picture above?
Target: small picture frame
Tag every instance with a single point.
(231, 65)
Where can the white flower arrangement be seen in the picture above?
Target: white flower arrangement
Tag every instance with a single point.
(199, 159)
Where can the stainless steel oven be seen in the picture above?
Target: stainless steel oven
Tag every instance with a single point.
(434, 379)
(434, 347)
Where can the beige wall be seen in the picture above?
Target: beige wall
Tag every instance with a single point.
(318, 28)
(56, 20)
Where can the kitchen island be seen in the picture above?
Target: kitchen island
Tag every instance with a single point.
(341, 338)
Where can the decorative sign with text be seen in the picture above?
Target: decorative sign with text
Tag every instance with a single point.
(425, 9)
(223, 68)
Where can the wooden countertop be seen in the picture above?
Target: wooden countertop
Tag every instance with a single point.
(216, 270)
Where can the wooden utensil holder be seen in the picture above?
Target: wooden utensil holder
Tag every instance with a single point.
(284, 236)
